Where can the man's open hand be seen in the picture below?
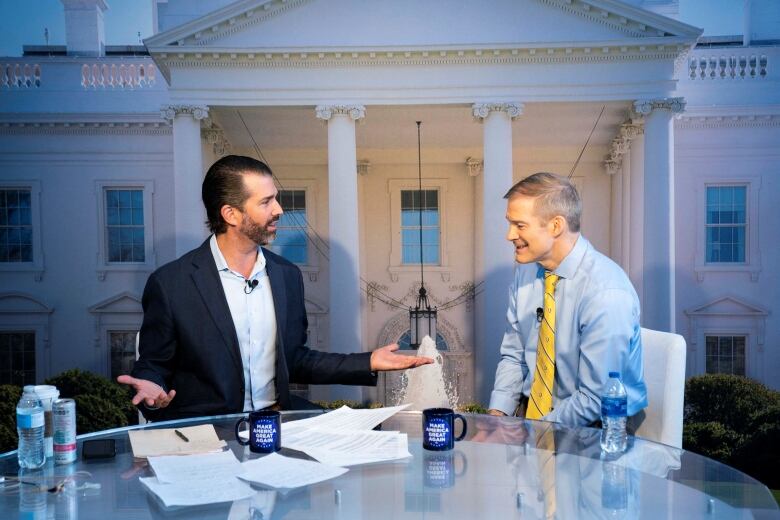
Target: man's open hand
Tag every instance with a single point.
(384, 358)
(150, 393)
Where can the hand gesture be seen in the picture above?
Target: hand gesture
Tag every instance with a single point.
(150, 393)
(384, 359)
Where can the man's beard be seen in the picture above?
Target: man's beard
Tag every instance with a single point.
(255, 232)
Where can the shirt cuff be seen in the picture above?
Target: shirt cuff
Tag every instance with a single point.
(503, 402)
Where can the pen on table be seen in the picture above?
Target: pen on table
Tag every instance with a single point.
(182, 436)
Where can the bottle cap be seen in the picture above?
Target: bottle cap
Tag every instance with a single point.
(616, 375)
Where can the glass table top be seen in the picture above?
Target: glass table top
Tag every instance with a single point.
(500, 470)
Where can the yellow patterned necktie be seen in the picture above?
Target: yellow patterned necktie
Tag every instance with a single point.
(540, 403)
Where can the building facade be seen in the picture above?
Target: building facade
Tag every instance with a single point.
(103, 150)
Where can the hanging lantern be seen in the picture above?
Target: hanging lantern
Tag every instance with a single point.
(422, 318)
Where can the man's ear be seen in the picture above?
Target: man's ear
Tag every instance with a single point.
(230, 215)
(558, 225)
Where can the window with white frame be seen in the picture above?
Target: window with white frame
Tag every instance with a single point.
(16, 244)
(125, 225)
(121, 351)
(291, 241)
(20, 227)
(725, 355)
(726, 224)
(17, 358)
(125, 219)
(420, 225)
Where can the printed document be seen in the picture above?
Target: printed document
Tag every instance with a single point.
(278, 471)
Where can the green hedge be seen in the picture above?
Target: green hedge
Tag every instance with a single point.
(735, 420)
(101, 404)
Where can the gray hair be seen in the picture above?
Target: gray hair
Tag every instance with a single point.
(555, 195)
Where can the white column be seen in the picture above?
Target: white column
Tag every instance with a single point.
(344, 235)
(659, 258)
(637, 218)
(497, 260)
(188, 211)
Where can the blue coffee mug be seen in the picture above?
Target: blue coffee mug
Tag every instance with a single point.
(265, 431)
(439, 429)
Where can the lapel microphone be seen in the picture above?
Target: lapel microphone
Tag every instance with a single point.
(539, 313)
(250, 285)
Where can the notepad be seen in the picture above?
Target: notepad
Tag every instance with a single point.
(155, 443)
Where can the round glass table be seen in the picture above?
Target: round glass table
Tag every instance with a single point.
(504, 468)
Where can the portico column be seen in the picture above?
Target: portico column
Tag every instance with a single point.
(343, 232)
(188, 211)
(497, 258)
(659, 256)
(636, 217)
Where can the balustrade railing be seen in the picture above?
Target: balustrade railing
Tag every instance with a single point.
(118, 75)
(728, 67)
(20, 75)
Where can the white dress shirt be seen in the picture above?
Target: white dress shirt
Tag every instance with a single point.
(255, 323)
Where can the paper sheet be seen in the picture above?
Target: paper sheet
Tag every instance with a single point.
(345, 419)
(395, 449)
(278, 471)
(199, 492)
(197, 479)
(177, 469)
(153, 443)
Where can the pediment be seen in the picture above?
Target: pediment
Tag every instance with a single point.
(727, 306)
(20, 303)
(379, 25)
(122, 303)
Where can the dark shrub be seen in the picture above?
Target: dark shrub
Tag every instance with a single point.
(73, 383)
(759, 454)
(9, 396)
(711, 439)
(94, 413)
(727, 399)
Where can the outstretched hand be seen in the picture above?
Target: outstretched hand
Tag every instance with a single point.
(384, 358)
(150, 393)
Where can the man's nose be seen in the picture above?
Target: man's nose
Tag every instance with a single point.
(511, 235)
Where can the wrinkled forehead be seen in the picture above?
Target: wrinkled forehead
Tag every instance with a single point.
(521, 207)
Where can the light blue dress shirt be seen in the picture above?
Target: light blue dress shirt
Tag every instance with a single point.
(255, 322)
(596, 332)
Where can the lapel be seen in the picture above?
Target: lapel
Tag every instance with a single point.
(279, 292)
(206, 279)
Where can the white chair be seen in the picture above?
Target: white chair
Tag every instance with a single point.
(663, 356)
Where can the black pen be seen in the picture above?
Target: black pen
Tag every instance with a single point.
(182, 436)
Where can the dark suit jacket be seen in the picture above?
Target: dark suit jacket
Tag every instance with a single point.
(188, 342)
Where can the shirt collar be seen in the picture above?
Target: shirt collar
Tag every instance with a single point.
(219, 259)
(568, 267)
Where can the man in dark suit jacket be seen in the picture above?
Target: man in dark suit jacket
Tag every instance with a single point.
(189, 347)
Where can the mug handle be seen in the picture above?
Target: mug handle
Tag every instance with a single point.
(463, 421)
(238, 427)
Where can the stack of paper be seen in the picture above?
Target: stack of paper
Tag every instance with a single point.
(156, 443)
(197, 479)
(344, 437)
(219, 477)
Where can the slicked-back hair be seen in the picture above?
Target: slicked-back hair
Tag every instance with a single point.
(224, 185)
(554, 195)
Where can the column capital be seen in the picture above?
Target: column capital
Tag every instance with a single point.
(355, 112)
(482, 110)
(612, 166)
(475, 166)
(363, 167)
(198, 112)
(675, 105)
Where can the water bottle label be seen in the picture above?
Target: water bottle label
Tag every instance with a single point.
(29, 420)
(614, 407)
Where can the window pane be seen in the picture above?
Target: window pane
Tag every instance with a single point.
(410, 237)
(112, 216)
(125, 199)
(125, 216)
(406, 199)
(17, 358)
(430, 237)
(411, 254)
(431, 254)
(138, 199)
(26, 253)
(410, 218)
(138, 217)
(112, 199)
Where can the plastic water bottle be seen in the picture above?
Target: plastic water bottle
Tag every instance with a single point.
(30, 425)
(613, 416)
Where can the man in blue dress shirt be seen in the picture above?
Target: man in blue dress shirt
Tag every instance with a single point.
(596, 322)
